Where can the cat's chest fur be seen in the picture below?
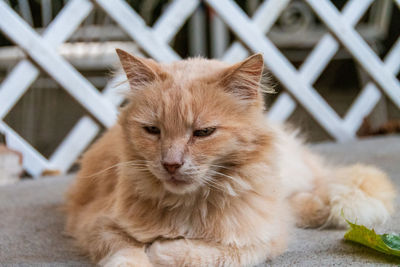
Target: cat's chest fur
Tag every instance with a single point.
(219, 218)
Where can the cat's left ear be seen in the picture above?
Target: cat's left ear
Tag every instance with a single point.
(139, 71)
(243, 79)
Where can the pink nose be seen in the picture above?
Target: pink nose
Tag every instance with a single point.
(171, 167)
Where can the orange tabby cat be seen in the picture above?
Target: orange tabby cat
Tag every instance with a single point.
(193, 174)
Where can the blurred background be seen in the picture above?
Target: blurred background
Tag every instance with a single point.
(45, 113)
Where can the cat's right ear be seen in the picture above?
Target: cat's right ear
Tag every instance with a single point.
(139, 71)
(244, 78)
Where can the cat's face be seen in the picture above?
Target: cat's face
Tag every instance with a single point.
(190, 121)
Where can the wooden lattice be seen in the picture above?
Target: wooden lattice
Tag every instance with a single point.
(42, 49)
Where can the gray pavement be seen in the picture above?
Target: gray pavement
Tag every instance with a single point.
(31, 222)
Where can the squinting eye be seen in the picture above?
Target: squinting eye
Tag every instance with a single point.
(204, 132)
(152, 130)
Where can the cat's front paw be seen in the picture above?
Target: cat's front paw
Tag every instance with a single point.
(168, 253)
(185, 253)
(126, 258)
(161, 253)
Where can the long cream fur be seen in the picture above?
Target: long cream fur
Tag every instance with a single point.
(238, 191)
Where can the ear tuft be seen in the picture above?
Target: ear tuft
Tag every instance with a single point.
(243, 78)
(138, 70)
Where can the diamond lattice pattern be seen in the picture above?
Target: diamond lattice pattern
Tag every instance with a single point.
(42, 49)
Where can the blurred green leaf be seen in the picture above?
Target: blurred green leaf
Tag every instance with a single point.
(386, 243)
(392, 241)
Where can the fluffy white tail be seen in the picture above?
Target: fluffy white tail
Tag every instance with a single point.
(363, 193)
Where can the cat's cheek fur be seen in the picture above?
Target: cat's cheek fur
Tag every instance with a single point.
(135, 142)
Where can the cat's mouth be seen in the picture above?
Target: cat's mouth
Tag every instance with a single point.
(177, 181)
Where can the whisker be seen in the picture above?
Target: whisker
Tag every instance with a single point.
(237, 181)
(219, 166)
(214, 185)
(133, 163)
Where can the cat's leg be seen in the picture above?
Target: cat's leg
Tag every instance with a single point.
(126, 257)
(198, 253)
(310, 209)
(110, 246)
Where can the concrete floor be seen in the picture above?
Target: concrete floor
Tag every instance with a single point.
(31, 222)
(327, 247)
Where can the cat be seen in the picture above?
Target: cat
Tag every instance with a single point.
(193, 174)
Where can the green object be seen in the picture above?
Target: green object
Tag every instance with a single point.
(386, 243)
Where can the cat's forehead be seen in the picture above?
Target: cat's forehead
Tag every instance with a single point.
(193, 68)
(183, 99)
(189, 96)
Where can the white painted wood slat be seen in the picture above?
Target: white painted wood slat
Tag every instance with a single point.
(358, 48)
(44, 54)
(15, 85)
(67, 21)
(32, 161)
(281, 67)
(24, 74)
(83, 133)
(173, 19)
(264, 18)
(282, 108)
(319, 58)
(74, 144)
(137, 29)
(392, 61)
(326, 48)
(370, 94)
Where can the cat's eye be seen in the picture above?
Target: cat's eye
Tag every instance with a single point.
(152, 130)
(204, 132)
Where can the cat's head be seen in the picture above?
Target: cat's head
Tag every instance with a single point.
(190, 122)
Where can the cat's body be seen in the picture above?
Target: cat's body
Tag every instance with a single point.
(194, 175)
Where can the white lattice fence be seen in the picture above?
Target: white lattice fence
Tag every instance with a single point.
(42, 49)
